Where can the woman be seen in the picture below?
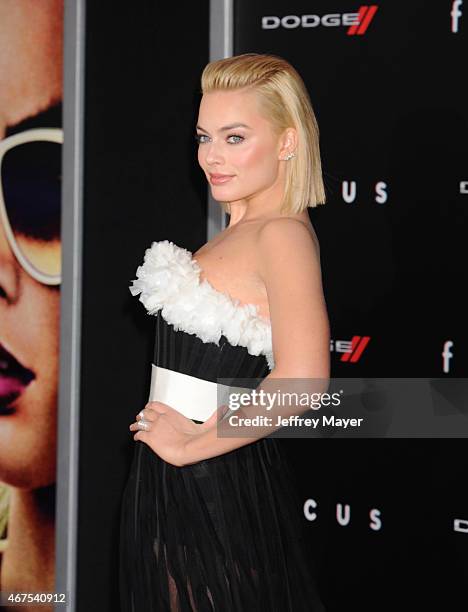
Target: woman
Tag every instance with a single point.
(209, 522)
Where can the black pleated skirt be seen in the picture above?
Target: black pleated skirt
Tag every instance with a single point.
(221, 535)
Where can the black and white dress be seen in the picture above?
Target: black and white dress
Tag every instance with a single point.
(223, 534)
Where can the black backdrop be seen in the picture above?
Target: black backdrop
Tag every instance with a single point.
(391, 109)
(143, 64)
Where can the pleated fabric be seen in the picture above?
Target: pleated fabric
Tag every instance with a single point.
(224, 534)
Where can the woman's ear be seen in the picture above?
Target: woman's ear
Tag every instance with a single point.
(288, 142)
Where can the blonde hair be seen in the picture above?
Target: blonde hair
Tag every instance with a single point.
(285, 102)
(4, 511)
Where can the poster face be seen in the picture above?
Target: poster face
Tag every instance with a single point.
(30, 274)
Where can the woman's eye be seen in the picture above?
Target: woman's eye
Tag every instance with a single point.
(232, 139)
(240, 139)
(199, 138)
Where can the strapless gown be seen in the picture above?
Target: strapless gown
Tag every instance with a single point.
(224, 534)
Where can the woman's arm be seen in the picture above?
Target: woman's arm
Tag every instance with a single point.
(289, 264)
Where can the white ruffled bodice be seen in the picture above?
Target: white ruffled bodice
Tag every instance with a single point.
(169, 280)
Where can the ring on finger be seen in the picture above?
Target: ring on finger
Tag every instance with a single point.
(142, 424)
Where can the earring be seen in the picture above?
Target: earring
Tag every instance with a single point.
(289, 156)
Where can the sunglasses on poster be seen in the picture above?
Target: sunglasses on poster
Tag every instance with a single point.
(30, 200)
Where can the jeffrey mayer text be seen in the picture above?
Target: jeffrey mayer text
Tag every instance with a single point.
(294, 421)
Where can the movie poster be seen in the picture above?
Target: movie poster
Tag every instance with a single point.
(31, 140)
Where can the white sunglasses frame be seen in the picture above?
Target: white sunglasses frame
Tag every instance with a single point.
(32, 135)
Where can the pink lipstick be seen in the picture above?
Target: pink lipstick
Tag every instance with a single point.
(14, 378)
(219, 179)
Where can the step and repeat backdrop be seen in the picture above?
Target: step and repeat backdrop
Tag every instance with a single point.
(387, 519)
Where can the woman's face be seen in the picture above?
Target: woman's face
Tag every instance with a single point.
(238, 148)
(30, 82)
(29, 348)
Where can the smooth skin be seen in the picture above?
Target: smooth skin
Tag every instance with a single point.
(262, 257)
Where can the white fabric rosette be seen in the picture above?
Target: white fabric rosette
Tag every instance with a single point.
(169, 280)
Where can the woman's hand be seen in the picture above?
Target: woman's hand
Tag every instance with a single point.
(167, 431)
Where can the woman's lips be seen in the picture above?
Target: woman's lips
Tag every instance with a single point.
(14, 378)
(219, 179)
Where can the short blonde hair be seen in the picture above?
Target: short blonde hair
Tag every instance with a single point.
(285, 102)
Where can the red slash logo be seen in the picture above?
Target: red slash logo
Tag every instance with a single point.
(366, 14)
(358, 344)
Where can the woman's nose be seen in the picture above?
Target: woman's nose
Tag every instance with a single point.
(214, 154)
(9, 270)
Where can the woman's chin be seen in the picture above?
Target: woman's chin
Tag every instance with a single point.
(222, 192)
(23, 475)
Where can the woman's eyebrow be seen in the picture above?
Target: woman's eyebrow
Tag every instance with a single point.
(226, 127)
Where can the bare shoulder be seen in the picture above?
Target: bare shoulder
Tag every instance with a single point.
(287, 239)
(289, 266)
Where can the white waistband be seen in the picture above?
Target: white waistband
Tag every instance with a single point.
(194, 397)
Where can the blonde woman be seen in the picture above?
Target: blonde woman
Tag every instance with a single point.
(210, 522)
